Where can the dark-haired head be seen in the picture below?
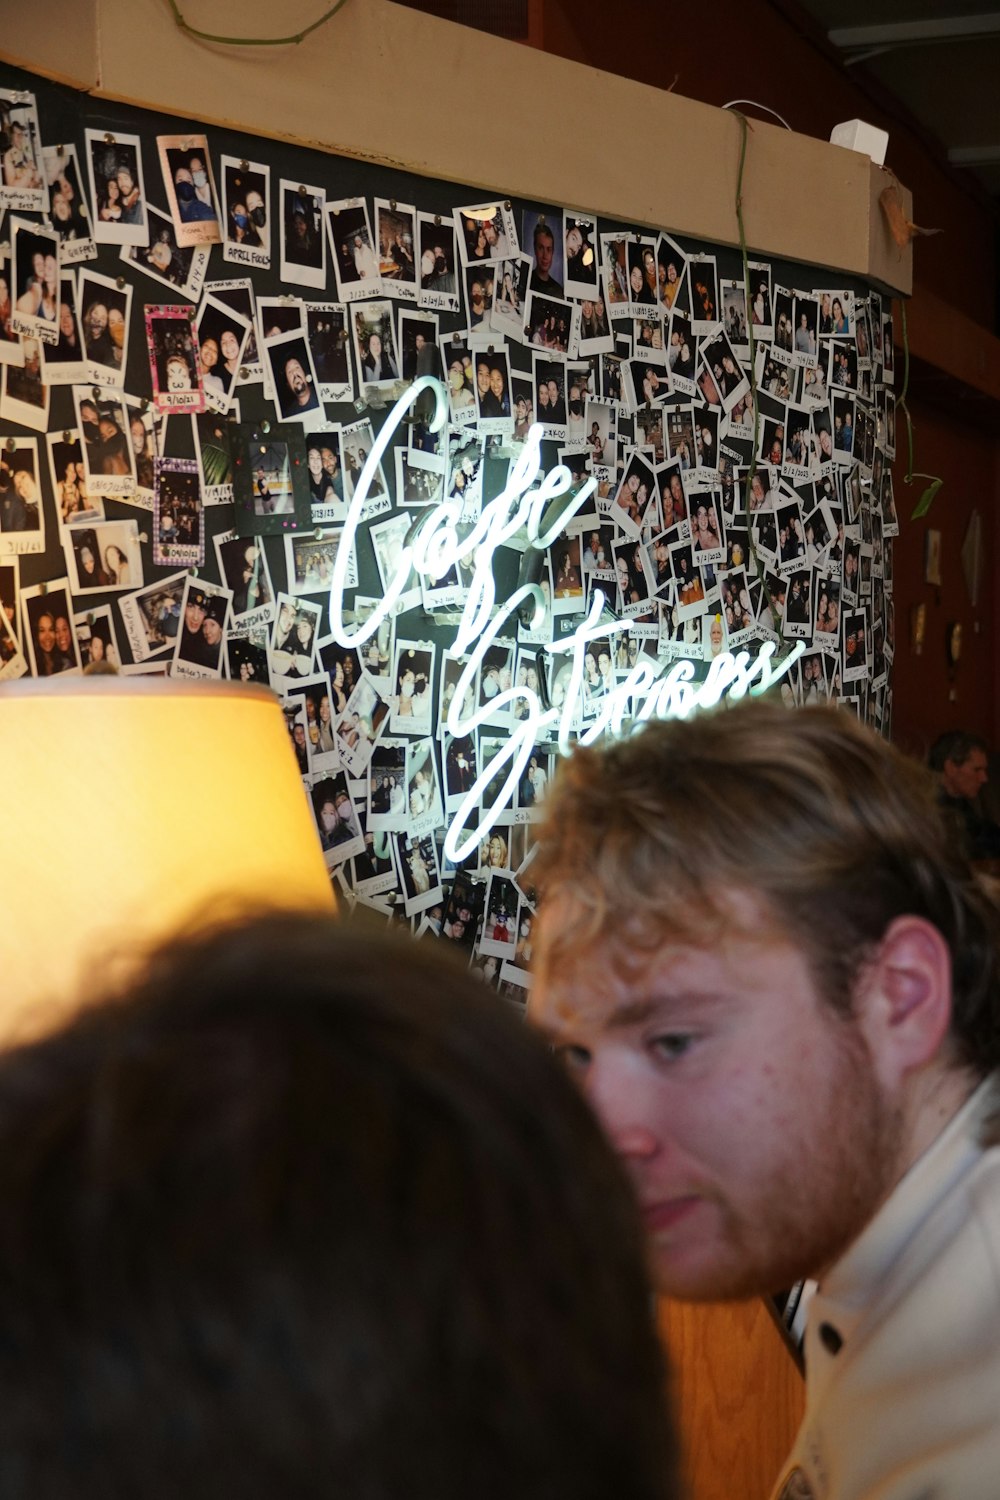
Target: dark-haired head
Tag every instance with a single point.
(308, 1213)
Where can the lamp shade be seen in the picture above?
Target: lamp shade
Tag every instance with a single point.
(131, 809)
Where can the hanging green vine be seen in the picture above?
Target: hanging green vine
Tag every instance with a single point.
(253, 41)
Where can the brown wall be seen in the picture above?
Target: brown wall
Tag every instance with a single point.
(769, 52)
(737, 49)
(928, 698)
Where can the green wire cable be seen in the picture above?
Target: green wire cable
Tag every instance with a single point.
(252, 41)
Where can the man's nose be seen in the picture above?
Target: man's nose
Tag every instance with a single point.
(623, 1108)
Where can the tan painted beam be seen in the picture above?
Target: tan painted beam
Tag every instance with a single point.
(384, 83)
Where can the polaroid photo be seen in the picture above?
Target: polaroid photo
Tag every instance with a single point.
(496, 672)
(438, 285)
(358, 439)
(647, 337)
(645, 382)
(671, 276)
(326, 476)
(74, 506)
(25, 394)
(270, 479)
(510, 296)
(108, 454)
(493, 407)
(413, 675)
(593, 334)
(581, 256)
(600, 427)
(423, 792)
(690, 598)
(549, 379)
(246, 197)
(845, 428)
(387, 810)
(172, 341)
(48, 637)
(311, 693)
(855, 646)
(734, 314)
(797, 624)
(836, 314)
(309, 563)
(190, 187)
(615, 272)
(633, 580)
(178, 523)
(289, 367)
(479, 285)
(708, 533)
(637, 492)
(223, 334)
(761, 304)
(246, 656)
(11, 348)
(549, 321)
(243, 568)
(22, 518)
(375, 345)
(329, 344)
(680, 436)
(105, 313)
(358, 727)
(336, 817)
(499, 934)
(378, 651)
(542, 239)
(784, 326)
(805, 328)
(65, 362)
(721, 358)
(204, 610)
(460, 763)
(419, 872)
(293, 640)
(826, 619)
(352, 246)
(342, 667)
(486, 232)
(303, 242)
(35, 273)
(237, 293)
(703, 276)
(682, 350)
(706, 445)
(420, 478)
(103, 558)
(117, 191)
(418, 346)
(395, 242)
(13, 662)
(22, 188)
(456, 358)
(67, 205)
(182, 268)
(213, 446)
(452, 670)
(152, 615)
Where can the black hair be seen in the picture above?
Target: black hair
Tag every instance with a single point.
(308, 1213)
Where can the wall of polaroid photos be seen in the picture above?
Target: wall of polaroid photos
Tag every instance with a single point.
(202, 336)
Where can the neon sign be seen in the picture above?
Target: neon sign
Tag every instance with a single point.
(647, 692)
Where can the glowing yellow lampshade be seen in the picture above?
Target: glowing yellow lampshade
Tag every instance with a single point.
(130, 809)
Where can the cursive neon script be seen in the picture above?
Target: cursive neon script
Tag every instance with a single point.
(434, 546)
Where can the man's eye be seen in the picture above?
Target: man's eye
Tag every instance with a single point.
(574, 1059)
(672, 1045)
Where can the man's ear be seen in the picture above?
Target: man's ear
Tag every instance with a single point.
(904, 999)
